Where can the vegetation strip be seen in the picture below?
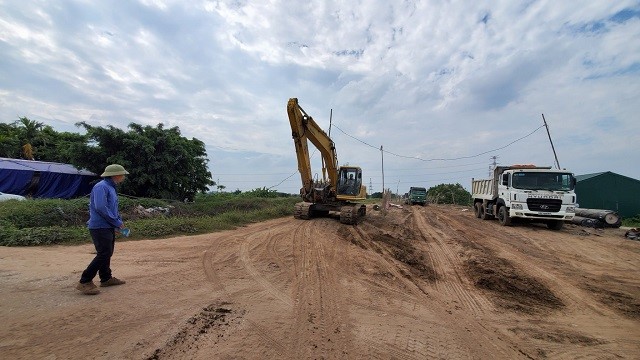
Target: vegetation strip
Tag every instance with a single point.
(47, 222)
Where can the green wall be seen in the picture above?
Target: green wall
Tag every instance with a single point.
(610, 191)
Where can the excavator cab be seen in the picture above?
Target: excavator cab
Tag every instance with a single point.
(349, 180)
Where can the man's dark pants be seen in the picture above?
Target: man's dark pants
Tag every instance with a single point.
(104, 241)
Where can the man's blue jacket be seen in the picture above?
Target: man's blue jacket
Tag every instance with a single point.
(103, 206)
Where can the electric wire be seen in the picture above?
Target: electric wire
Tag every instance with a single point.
(414, 157)
(439, 159)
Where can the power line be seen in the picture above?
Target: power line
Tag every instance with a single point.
(439, 159)
(416, 157)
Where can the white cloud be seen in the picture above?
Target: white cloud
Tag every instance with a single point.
(425, 78)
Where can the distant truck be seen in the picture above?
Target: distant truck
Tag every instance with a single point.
(416, 195)
(538, 194)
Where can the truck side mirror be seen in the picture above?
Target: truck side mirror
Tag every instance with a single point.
(505, 179)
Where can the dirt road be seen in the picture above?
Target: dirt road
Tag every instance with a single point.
(420, 283)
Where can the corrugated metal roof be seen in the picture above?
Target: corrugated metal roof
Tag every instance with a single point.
(589, 176)
(33, 165)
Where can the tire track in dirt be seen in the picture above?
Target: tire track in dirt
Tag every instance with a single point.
(396, 339)
(453, 280)
(442, 243)
(533, 258)
(509, 285)
(260, 279)
(551, 341)
(360, 236)
(219, 261)
(439, 340)
(320, 315)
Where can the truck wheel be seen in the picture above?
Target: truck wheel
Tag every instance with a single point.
(476, 209)
(555, 224)
(483, 213)
(503, 216)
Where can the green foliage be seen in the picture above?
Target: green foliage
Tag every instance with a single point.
(10, 145)
(263, 193)
(376, 195)
(44, 212)
(163, 164)
(34, 236)
(46, 222)
(449, 194)
(632, 222)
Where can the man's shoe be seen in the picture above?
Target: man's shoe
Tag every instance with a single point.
(88, 288)
(112, 282)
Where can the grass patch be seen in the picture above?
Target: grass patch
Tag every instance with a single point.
(632, 222)
(47, 222)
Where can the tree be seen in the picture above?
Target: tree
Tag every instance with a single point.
(10, 146)
(161, 162)
(376, 195)
(29, 131)
(449, 194)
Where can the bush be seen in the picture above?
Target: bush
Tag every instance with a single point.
(49, 212)
(11, 236)
(47, 222)
(632, 222)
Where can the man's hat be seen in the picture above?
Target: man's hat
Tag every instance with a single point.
(113, 170)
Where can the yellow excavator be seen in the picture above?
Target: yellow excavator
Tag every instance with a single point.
(340, 187)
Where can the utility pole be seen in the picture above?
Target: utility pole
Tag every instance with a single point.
(493, 164)
(552, 148)
(382, 155)
(370, 185)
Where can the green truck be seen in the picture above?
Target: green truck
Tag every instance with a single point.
(416, 195)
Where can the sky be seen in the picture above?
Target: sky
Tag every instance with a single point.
(442, 86)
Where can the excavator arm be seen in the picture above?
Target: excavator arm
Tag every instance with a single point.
(304, 128)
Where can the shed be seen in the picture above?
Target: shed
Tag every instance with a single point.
(41, 179)
(609, 191)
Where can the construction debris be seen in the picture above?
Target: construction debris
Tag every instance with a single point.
(605, 218)
(151, 212)
(633, 234)
(597, 218)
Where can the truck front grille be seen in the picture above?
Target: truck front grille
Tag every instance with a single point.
(546, 205)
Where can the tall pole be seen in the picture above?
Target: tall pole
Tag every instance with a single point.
(552, 148)
(382, 155)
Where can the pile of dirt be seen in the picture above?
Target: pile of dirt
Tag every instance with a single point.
(510, 287)
(211, 321)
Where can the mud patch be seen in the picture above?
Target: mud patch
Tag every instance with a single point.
(511, 289)
(621, 302)
(557, 336)
(394, 235)
(403, 251)
(211, 322)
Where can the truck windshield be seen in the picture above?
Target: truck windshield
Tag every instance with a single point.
(543, 181)
(418, 191)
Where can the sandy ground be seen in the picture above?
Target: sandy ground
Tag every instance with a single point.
(428, 282)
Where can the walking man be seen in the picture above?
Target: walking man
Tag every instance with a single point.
(104, 219)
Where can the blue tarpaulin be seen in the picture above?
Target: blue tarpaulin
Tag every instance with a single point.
(40, 179)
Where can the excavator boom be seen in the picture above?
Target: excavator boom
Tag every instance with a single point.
(305, 128)
(339, 185)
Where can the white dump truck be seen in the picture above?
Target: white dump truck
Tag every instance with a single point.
(537, 194)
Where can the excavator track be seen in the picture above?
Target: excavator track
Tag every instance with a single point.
(349, 215)
(302, 210)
